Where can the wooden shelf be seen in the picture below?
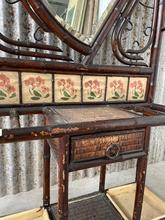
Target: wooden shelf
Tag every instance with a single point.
(95, 206)
(34, 214)
(123, 200)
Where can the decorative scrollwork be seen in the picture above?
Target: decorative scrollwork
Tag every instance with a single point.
(12, 2)
(131, 56)
(29, 49)
(146, 6)
(39, 34)
(16, 47)
(145, 31)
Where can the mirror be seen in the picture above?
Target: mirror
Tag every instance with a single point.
(82, 18)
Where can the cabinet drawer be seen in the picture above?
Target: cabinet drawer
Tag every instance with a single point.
(109, 145)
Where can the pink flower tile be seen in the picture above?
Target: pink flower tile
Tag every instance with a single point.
(36, 88)
(117, 88)
(94, 88)
(67, 88)
(9, 88)
(137, 89)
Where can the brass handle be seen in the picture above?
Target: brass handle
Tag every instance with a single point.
(113, 151)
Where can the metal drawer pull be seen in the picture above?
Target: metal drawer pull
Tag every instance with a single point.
(113, 151)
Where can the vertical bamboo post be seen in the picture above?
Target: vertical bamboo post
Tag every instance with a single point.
(140, 186)
(46, 175)
(141, 177)
(63, 175)
(102, 178)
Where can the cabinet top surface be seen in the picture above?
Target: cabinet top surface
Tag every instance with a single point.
(61, 115)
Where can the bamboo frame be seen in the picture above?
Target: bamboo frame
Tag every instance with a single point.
(151, 114)
(42, 14)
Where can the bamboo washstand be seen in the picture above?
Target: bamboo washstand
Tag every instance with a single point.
(94, 115)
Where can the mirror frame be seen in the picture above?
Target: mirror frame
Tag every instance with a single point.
(48, 23)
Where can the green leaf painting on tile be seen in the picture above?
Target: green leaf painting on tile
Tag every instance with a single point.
(93, 88)
(118, 91)
(37, 88)
(137, 89)
(67, 89)
(7, 89)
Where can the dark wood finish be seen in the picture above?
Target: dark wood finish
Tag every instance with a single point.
(41, 14)
(74, 130)
(105, 30)
(155, 50)
(45, 67)
(33, 54)
(63, 178)
(24, 109)
(140, 178)
(95, 206)
(140, 181)
(33, 15)
(106, 145)
(29, 44)
(102, 179)
(64, 128)
(100, 162)
(46, 175)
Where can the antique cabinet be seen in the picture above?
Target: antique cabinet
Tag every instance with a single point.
(94, 114)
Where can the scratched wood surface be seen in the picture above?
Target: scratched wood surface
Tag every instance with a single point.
(88, 114)
(23, 154)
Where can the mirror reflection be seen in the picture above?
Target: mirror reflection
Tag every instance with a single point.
(82, 18)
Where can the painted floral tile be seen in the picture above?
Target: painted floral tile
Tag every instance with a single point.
(9, 88)
(117, 88)
(67, 88)
(36, 88)
(137, 89)
(94, 88)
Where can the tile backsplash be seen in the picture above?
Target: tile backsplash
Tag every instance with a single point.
(117, 89)
(94, 88)
(137, 88)
(67, 88)
(9, 88)
(36, 88)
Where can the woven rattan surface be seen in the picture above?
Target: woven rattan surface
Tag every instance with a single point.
(96, 207)
(84, 147)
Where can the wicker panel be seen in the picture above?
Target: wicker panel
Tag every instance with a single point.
(94, 147)
(91, 208)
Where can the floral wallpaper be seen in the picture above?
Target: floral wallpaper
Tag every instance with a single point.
(60, 88)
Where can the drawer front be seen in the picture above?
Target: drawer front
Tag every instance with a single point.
(106, 145)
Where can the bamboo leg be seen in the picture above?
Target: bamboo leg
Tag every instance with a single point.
(46, 177)
(102, 178)
(63, 175)
(140, 185)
